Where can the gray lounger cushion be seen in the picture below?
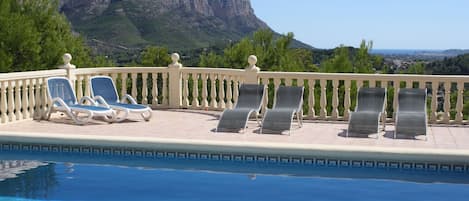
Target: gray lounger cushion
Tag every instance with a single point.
(234, 120)
(364, 122)
(277, 121)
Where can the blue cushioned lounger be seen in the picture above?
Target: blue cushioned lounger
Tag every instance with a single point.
(64, 100)
(104, 92)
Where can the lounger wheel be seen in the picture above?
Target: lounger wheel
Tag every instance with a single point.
(147, 115)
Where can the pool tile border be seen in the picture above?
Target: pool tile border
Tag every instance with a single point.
(247, 158)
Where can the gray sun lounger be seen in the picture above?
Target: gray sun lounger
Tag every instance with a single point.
(370, 107)
(411, 116)
(288, 102)
(249, 101)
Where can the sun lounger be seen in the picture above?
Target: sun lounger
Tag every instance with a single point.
(288, 102)
(249, 101)
(64, 100)
(370, 107)
(104, 92)
(411, 116)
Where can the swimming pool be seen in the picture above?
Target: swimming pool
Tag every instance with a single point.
(68, 176)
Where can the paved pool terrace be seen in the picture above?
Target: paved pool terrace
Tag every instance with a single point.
(193, 131)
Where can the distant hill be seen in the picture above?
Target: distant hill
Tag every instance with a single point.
(123, 25)
(458, 65)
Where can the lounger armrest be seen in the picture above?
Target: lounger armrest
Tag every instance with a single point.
(87, 98)
(100, 101)
(128, 98)
(60, 102)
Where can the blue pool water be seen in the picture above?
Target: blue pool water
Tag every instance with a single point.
(87, 178)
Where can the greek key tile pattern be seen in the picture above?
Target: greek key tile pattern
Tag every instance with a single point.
(249, 158)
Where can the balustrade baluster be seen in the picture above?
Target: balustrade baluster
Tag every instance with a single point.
(229, 95)
(164, 88)
(277, 82)
(25, 104)
(18, 103)
(213, 92)
(3, 101)
(195, 90)
(144, 88)
(335, 99)
(459, 102)
(204, 90)
(87, 85)
(323, 103)
(434, 103)
(44, 98)
(347, 99)
(124, 84)
(372, 83)
(11, 102)
(221, 91)
(235, 89)
(79, 87)
(154, 92)
(288, 82)
(312, 113)
(134, 85)
(38, 103)
(265, 101)
(185, 88)
(397, 86)
(32, 102)
(447, 103)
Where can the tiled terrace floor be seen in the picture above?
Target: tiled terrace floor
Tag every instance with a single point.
(199, 125)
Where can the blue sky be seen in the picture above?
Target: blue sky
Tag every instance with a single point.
(390, 24)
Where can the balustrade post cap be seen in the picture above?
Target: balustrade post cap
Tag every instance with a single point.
(175, 58)
(67, 58)
(252, 60)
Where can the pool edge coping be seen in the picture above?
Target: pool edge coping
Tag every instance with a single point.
(426, 155)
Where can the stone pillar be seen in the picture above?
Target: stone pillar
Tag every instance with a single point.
(251, 71)
(175, 82)
(67, 58)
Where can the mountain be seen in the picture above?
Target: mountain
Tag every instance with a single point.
(176, 24)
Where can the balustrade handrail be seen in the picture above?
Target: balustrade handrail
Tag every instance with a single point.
(32, 74)
(100, 70)
(362, 76)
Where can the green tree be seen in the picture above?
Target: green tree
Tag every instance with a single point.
(155, 56)
(34, 35)
(363, 61)
(339, 63)
(211, 60)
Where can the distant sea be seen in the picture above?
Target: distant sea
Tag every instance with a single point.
(405, 51)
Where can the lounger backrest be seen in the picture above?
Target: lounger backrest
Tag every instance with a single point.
(371, 99)
(250, 96)
(412, 100)
(60, 87)
(289, 97)
(104, 86)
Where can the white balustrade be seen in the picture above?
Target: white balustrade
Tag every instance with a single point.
(23, 95)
